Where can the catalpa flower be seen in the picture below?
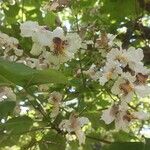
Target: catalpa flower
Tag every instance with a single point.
(40, 35)
(9, 47)
(39, 63)
(55, 99)
(8, 42)
(122, 116)
(141, 79)
(55, 60)
(93, 72)
(125, 87)
(75, 124)
(131, 57)
(63, 46)
(105, 40)
(7, 92)
(110, 71)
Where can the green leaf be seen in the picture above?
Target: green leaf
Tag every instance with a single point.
(25, 76)
(74, 145)
(126, 146)
(147, 145)
(6, 108)
(127, 9)
(52, 141)
(92, 141)
(4, 81)
(48, 76)
(17, 125)
(123, 136)
(12, 11)
(7, 140)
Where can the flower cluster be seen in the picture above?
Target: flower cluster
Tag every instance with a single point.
(75, 124)
(51, 47)
(105, 42)
(123, 68)
(126, 69)
(9, 47)
(55, 99)
(122, 116)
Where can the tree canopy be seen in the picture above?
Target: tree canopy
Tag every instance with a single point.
(74, 74)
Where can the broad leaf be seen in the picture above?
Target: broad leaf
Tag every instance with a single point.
(126, 146)
(23, 75)
(4, 81)
(17, 125)
(53, 141)
(6, 108)
(147, 145)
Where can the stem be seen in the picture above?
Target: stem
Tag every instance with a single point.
(39, 106)
(100, 140)
(80, 63)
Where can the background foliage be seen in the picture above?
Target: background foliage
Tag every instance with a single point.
(33, 129)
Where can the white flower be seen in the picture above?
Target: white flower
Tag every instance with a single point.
(140, 68)
(141, 79)
(104, 43)
(51, 7)
(18, 52)
(55, 60)
(110, 71)
(9, 47)
(142, 90)
(141, 115)
(117, 55)
(32, 62)
(109, 114)
(40, 36)
(122, 120)
(8, 42)
(7, 92)
(116, 113)
(29, 28)
(73, 42)
(105, 40)
(134, 56)
(131, 57)
(64, 45)
(111, 39)
(37, 49)
(55, 99)
(43, 87)
(93, 72)
(122, 117)
(126, 86)
(75, 124)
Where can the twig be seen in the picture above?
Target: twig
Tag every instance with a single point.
(39, 108)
